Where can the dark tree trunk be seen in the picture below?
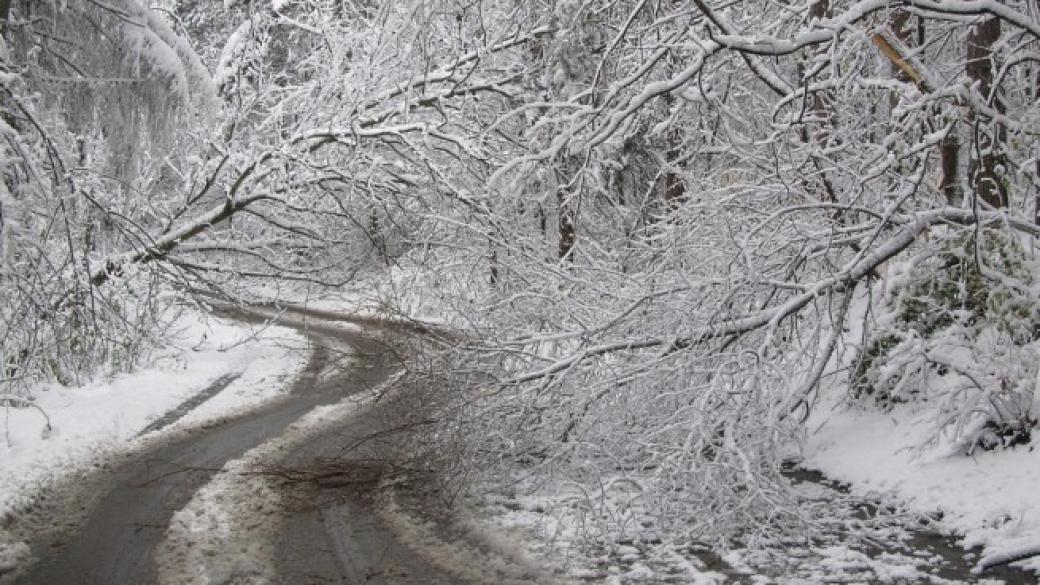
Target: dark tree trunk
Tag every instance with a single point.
(820, 114)
(674, 190)
(987, 151)
(949, 152)
(493, 261)
(567, 228)
(674, 186)
(819, 9)
(5, 13)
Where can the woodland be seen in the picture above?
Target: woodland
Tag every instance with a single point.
(659, 231)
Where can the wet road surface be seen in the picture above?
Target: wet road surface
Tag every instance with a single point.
(114, 544)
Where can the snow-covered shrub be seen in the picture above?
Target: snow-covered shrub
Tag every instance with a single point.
(958, 328)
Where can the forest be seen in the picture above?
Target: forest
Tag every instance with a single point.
(658, 237)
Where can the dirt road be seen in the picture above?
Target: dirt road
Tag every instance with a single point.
(105, 529)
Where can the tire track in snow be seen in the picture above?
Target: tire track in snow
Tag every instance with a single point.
(196, 400)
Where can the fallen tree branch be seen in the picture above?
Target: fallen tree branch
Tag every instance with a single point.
(911, 226)
(167, 243)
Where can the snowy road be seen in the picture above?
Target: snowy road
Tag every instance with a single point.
(107, 531)
(114, 526)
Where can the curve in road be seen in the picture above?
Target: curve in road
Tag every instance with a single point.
(115, 543)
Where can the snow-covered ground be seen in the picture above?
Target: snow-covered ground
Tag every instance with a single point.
(991, 498)
(91, 423)
(554, 525)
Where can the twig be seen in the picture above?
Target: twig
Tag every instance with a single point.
(27, 402)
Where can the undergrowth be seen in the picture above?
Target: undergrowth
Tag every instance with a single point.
(958, 327)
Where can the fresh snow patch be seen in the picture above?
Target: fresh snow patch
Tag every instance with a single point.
(1007, 556)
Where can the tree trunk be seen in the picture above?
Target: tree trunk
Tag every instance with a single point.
(674, 186)
(566, 223)
(5, 13)
(987, 155)
(493, 261)
(821, 115)
(949, 152)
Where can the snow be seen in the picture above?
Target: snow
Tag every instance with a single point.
(234, 50)
(892, 568)
(12, 554)
(1007, 556)
(104, 417)
(991, 498)
(181, 59)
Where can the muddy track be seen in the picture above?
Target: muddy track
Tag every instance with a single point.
(335, 533)
(106, 531)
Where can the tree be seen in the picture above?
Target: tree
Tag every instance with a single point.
(684, 356)
(987, 147)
